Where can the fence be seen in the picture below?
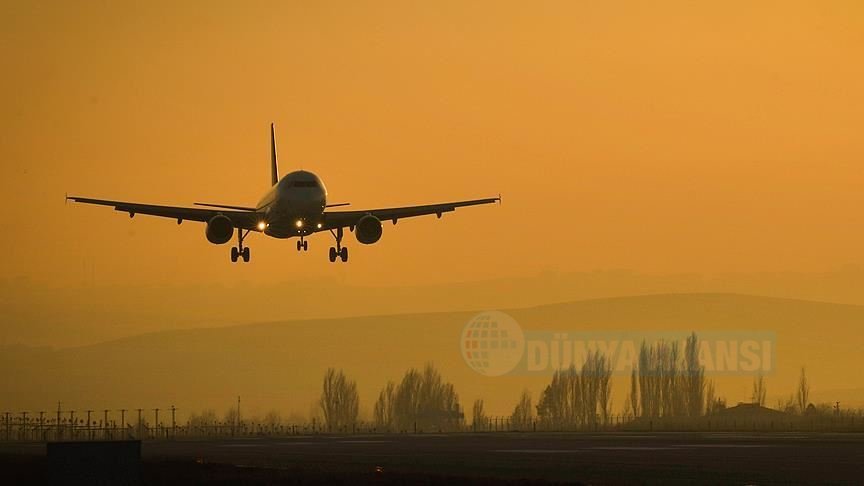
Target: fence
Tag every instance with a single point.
(69, 425)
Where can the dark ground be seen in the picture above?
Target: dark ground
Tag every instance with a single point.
(683, 458)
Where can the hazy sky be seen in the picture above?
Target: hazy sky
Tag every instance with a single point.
(655, 136)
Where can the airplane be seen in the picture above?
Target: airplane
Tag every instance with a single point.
(295, 206)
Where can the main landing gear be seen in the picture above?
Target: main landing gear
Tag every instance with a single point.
(339, 251)
(302, 244)
(239, 250)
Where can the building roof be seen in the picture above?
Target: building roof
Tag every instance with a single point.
(752, 410)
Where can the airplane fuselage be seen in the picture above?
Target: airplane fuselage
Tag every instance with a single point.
(294, 206)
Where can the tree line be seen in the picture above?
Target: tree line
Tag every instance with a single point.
(422, 400)
(666, 380)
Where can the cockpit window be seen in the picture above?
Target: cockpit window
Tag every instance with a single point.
(305, 184)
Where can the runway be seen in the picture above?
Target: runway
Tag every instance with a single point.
(608, 458)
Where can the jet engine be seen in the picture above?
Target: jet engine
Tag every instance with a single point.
(219, 229)
(368, 229)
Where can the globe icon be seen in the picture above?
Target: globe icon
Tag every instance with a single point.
(492, 343)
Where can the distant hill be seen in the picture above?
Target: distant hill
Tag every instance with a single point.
(280, 364)
(43, 314)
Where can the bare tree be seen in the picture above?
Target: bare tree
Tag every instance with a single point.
(425, 400)
(523, 415)
(479, 418)
(803, 392)
(673, 392)
(339, 400)
(272, 419)
(561, 401)
(710, 401)
(649, 381)
(207, 417)
(596, 388)
(604, 384)
(670, 384)
(384, 406)
(232, 417)
(694, 378)
(788, 405)
(759, 390)
(578, 397)
(634, 393)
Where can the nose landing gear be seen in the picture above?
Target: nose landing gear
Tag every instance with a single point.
(302, 244)
(339, 251)
(239, 250)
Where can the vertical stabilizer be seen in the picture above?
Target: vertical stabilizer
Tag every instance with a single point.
(274, 166)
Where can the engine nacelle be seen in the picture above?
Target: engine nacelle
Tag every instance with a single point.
(368, 229)
(219, 229)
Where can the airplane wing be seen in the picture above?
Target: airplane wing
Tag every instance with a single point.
(241, 219)
(341, 219)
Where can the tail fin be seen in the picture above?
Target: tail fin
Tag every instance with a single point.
(274, 166)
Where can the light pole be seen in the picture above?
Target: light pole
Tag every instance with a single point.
(58, 421)
(72, 423)
(140, 425)
(24, 425)
(123, 422)
(89, 428)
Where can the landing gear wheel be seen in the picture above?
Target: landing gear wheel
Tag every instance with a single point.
(338, 251)
(299, 245)
(240, 250)
(305, 246)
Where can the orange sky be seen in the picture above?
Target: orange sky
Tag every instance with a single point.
(654, 136)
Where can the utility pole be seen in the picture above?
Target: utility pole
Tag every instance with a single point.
(157, 422)
(24, 425)
(72, 424)
(140, 425)
(123, 422)
(89, 429)
(173, 422)
(41, 426)
(58, 421)
(238, 414)
(105, 425)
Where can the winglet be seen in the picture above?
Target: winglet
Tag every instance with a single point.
(274, 167)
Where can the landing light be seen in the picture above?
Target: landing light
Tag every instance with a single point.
(299, 223)
(262, 226)
(319, 225)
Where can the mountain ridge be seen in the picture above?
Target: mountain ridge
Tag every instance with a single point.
(279, 364)
(538, 307)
